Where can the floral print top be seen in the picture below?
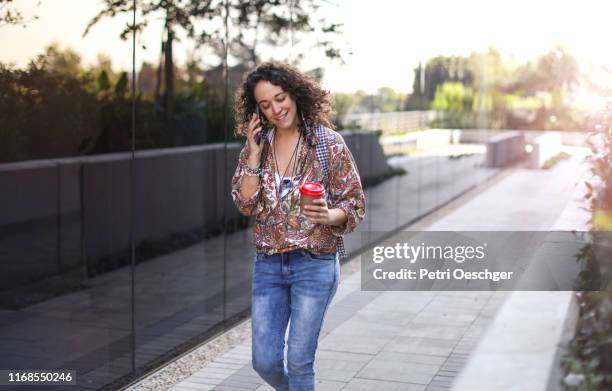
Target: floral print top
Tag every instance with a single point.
(279, 225)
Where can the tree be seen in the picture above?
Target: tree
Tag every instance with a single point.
(147, 81)
(489, 70)
(178, 14)
(438, 71)
(45, 113)
(387, 99)
(556, 69)
(343, 102)
(267, 21)
(456, 101)
(65, 62)
(551, 77)
(195, 18)
(10, 15)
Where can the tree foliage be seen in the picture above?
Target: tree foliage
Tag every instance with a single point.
(45, 113)
(435, 73)
(11, 15)
(588, 358)
(532, 95)
(252, 22)
(202, 21)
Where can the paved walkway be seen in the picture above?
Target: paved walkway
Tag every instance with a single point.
(413, 340)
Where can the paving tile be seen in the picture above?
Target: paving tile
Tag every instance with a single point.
(358, 327)
(324, 354)
(249, 385)
(232, 388)
(417, 345)
(452, 367)
(329, 385)
(441, 379)
(341, 375)
(212, 370)
(433, 331)
(456, 304)
(189, 388)
(203, 374)
(237, 357)
(384, 317)
(229, 361)
(246, 377)
(460, 355)
(419, 358)
(358, 299)
(480, 299)
(463, 351)
(437, 384)
(219, 365)
(436, 388)
(203, 380)
(348, 343)
(444, 318)
(358, 384)
(322, 363)
(443, 375)
(408, 302)
(396, 367)
(456, 361)
(450, 371)
(194, 386)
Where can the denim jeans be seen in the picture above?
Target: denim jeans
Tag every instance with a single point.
(296, 286)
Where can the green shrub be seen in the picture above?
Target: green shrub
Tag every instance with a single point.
(588, 359)
(550, 163)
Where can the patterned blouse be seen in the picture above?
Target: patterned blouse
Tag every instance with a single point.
(279, 225)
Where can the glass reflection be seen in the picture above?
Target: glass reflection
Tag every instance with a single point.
(65, 238)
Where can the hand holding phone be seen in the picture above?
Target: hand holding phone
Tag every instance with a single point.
(254, 135)
(261, 125)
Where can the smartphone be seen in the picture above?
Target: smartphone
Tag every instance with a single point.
(261, 123)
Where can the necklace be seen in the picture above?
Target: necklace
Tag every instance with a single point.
(286, 183)
(279, 195)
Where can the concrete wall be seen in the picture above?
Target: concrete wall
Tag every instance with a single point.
(481, 136)
(57, 214)
(544, 147)
(505, 148)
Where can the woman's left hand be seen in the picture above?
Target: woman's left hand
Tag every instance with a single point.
(317, 212)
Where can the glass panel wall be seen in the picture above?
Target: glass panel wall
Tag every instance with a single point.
(65, 179)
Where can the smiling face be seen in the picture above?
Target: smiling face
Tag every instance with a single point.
(276, 105)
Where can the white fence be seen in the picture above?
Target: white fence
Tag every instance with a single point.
(387, 122)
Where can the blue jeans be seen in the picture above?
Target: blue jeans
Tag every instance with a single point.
(297, 285)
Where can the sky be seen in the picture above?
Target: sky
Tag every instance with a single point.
(387, 40)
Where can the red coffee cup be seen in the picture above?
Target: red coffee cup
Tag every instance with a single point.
(310, 191)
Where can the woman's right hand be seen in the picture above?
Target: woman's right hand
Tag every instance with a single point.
(255, 149)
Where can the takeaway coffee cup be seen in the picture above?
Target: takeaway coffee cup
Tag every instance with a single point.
(310, 191)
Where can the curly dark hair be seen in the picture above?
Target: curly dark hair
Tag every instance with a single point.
(315, 103)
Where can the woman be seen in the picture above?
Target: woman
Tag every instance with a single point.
(283, 114)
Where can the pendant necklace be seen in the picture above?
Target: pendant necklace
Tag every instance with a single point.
(286, 183)
(289, 183)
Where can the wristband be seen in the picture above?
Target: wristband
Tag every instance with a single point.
(252, 171)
